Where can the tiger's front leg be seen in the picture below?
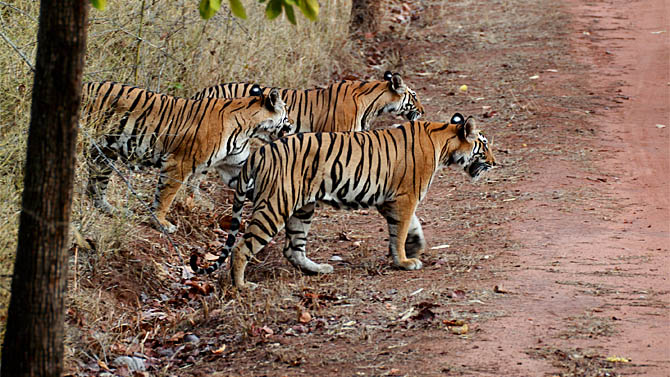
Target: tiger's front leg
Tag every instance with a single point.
(171, 178)
(415, 243)
(297, 228)
(398, 215)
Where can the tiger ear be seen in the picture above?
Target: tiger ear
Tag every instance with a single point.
(470, 129)
(274, 100)
(388, 75)
(467, 130)
(397, 84)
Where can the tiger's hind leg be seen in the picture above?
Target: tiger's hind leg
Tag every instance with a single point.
(415, 242)
(297, 228)
(263, 226)
(170, 180)
(100, 170)
(398, 215)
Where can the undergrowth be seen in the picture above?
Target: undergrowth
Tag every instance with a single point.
(172, 50)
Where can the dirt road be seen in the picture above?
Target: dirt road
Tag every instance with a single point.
(596, 280)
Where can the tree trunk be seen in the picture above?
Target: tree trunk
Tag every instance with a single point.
(364, 16)
(33, 344)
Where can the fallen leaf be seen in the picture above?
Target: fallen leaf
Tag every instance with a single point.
(453, 322)
(211, 257)
(219, 350)
(102, 365)
(534, 77)
(304, 317)
(459, 330)
(617, 359)
(177, 338)
(268, 331)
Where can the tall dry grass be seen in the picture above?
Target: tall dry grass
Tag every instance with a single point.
(162, 45)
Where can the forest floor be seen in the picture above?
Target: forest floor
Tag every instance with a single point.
(555, 263)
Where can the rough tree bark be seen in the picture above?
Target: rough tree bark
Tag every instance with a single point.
(364, 16)
(33, 344)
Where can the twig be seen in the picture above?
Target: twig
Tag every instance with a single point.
(9, 42)
(139, 41)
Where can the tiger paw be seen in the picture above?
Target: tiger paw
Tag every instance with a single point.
(324, 269)
(104, 206)
(410, 264)
(165, 225)
(246, 286)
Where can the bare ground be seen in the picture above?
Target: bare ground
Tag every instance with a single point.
(554, 263)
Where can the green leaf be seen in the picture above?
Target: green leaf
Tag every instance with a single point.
(273, 9)
(290, 2)
(175, 85)
(289, 13)
(310, 8)
(208, 8)
(99, 4)
(238, 9)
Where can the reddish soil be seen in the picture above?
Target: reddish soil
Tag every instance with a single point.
(556, 261)
(594, 262)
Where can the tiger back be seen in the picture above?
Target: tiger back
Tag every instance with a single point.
(177, 135)
(349, 105)
(390, 169)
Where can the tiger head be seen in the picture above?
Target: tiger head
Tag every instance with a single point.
(469, 148)
(278, 125)
(404, 100)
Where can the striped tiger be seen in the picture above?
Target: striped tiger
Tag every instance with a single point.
(344, 106)
(390, 169)
(177, 135)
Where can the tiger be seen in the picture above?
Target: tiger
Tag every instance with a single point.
(177, 135)
(349, 105)
(390, 169)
